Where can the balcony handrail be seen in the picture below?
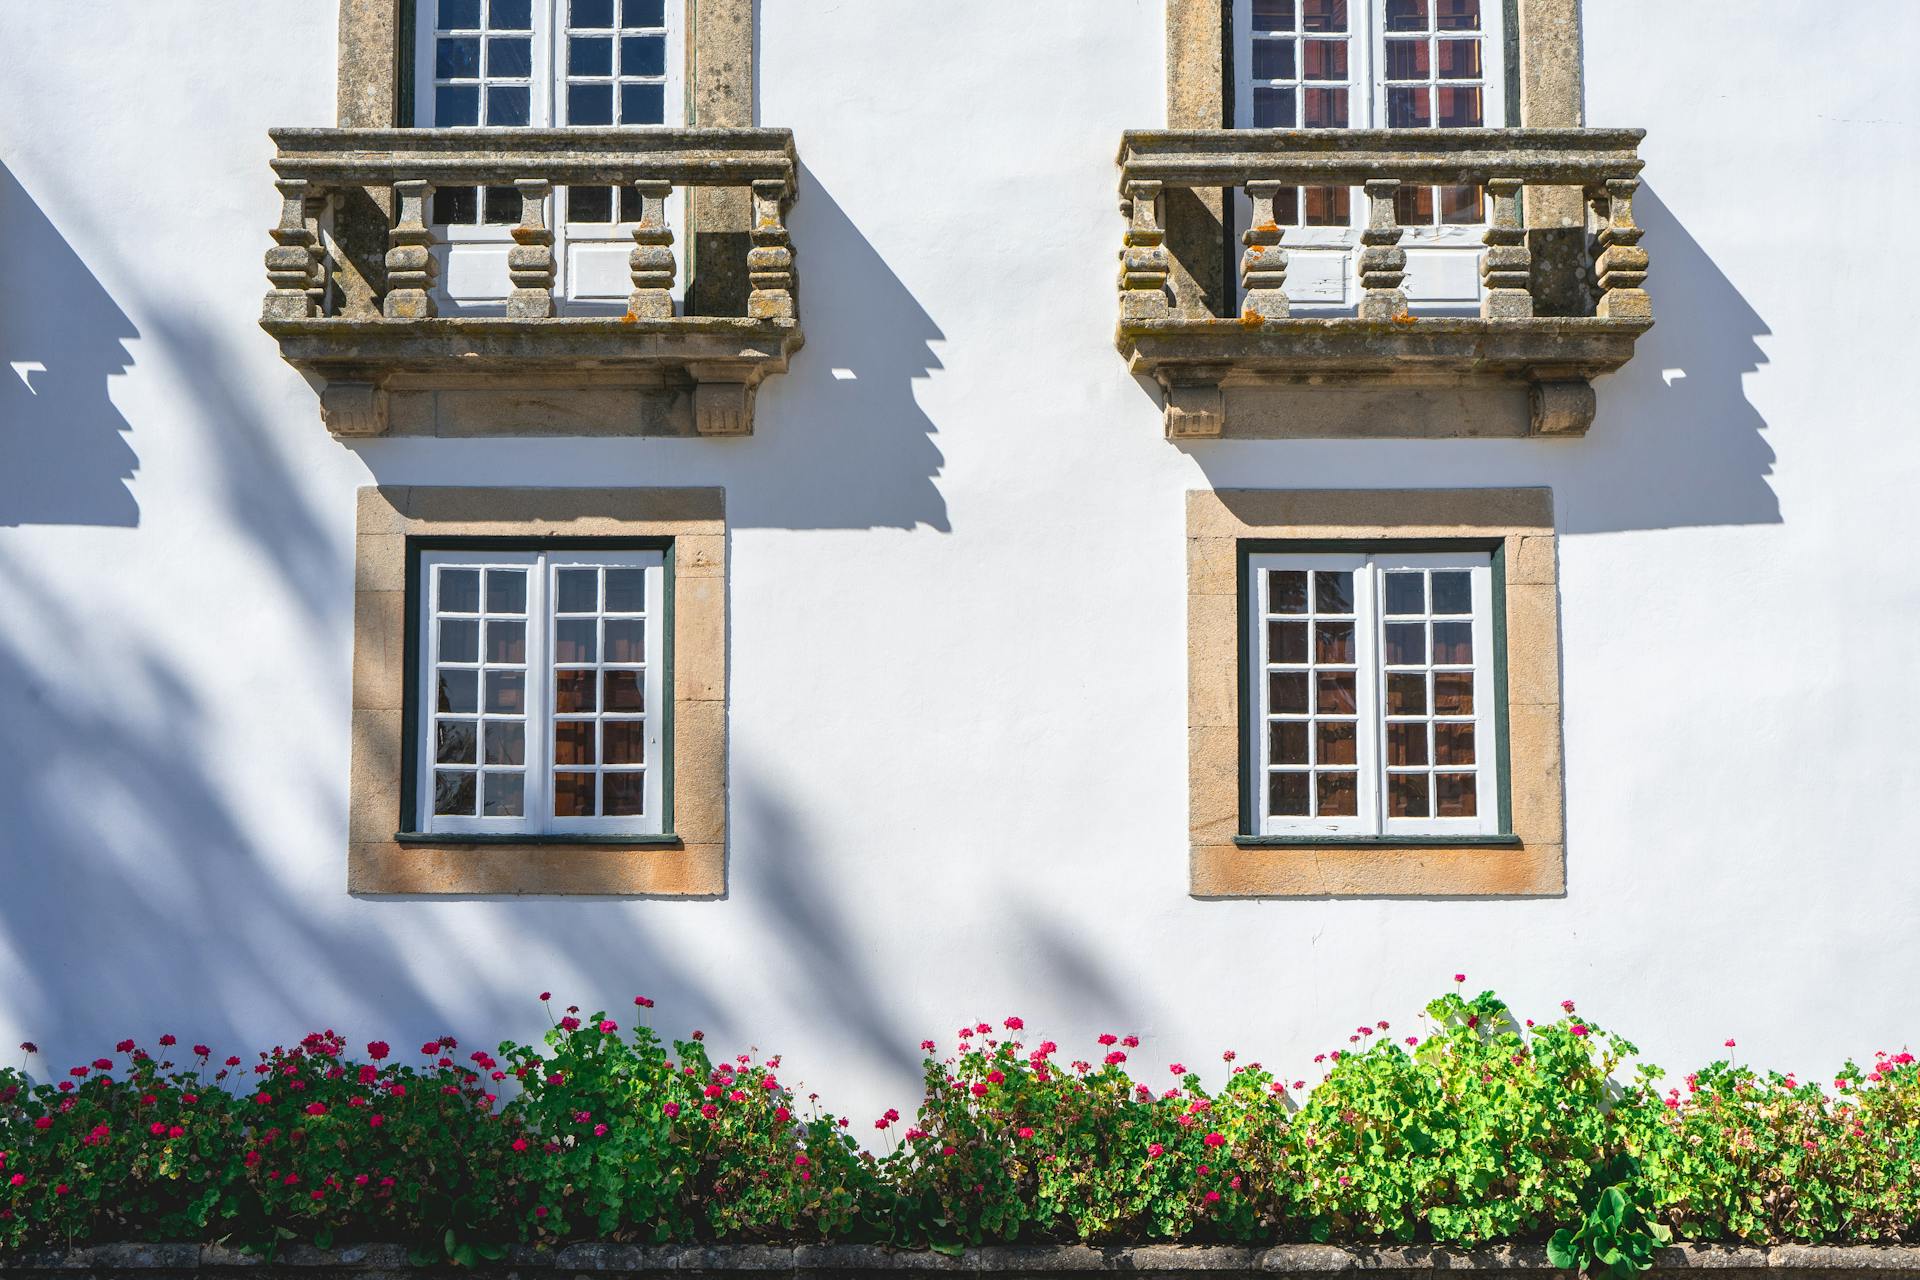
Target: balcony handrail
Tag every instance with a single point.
(1335, 157)
(563, 157)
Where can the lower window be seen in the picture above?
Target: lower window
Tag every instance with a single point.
(1372, 693)
(542, 683)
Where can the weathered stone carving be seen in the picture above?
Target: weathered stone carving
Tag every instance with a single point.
(700, 370)
(1206, 364)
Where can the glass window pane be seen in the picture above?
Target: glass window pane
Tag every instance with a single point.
(502, 206)
(459, 15)
(1336, 693)
(459, 591)
(507, 104)
(1460, 206)
(1413, 206)
(589, 104)
(644, 13)
(455, 105)
(1456, 795)
(1286, 591)
(1458, 107)
(626, 741)
(590, 56)
(1286, 642)
(626, 591)
(1406, 15)
(1452, 642)
(1273, 15)
(625, 794)
(1407, 109)
(626, 640)
(1273, 60)
(1326, 59)
(505, 741)
(507, 693)
(1406, 593)
(506, 641)
(459, 640)
(510, 15)
(1338, 741)
(1274, 108)
(1287, 692)
(624, 691)
(578, 590)
(1287, 741)
(1458, 59)
(589, 204)
(1333, 591)
(1286, 207)
(1407, 60)
(1287, 795)
(457, 206)
(1326, 108)
(1452, 693)
(574, 640)
(506, 591)
(509, 58)
(452, 794)
(459, 691)
(591, 13)
(504, 795)
(1407, 743)
(643, 104)
(456, 57)
(573, 691)
(572, 795)
(1339, 794)
(573, 742)
(1407, 795)
(453, 742)
(1324, 15)
(1329, 206)
(1452, 591)
(1333, 642)
(1406, 643)
(1453, 744)
(1457, 15)
(1407, 694)
(643, 55)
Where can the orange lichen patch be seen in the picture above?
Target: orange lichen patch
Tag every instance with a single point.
(1252, 319)
(629, 318)
(1405, 320)
(1266, 226)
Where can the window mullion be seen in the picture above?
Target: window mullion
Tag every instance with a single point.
(1366, 652)
(539, 682)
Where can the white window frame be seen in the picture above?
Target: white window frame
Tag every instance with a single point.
(547, 108)
(542, 567)
(1371, 819)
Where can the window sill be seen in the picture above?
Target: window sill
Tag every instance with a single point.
(1370, 842)
(664, 840)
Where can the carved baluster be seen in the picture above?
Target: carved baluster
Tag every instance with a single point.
(1263, 267)
(294, 265)
(1507, 269)
(530, 261)
(1383, 263)
(652, 256)
(770, 261)
(1620, 266)
(410, 265)
(1144, 263)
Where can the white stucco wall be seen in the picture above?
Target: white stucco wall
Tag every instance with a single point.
(958, 713)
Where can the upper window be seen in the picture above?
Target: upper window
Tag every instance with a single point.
(543, 674)
(1372, 693)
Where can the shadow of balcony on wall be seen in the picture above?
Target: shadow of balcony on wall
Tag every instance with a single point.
(64, 453)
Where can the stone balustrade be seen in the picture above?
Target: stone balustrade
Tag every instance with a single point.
(1526, 330)
(360, 317)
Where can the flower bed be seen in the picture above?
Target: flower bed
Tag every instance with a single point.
(1480, 1129)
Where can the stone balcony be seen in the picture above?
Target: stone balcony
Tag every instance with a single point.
(1549, 320)
(353, 271)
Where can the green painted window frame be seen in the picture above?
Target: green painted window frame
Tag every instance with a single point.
(1244, 549)
(406, 831)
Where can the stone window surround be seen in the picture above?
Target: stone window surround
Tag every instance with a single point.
(1544, 68)
(1224, 861)
(691, 861)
